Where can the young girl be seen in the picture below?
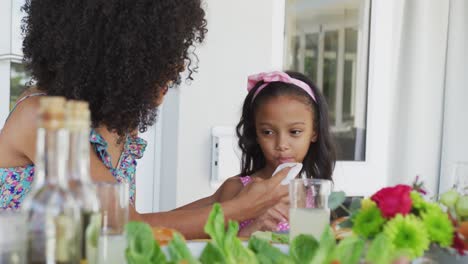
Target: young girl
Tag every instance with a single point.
(284, 119)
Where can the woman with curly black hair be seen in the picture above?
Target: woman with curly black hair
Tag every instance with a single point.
(120, 56)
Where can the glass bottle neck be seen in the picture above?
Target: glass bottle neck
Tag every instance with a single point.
(79, 156)
(51, 157)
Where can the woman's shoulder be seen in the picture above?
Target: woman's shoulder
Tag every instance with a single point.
(18, 135)
(26, 108)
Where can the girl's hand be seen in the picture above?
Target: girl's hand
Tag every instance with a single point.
(269, 220)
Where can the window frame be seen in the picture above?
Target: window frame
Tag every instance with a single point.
(362, 178)
(339, 123)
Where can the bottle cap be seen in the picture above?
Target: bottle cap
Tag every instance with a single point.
(77, 115)
(51, 112)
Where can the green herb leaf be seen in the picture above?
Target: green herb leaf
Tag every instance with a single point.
(179, 251)
(303, 248)
(266, 253)
(158, 254)
(211, 254)
(241, 254)
(355, 204)
(226, 242)
(380, 250)
(336, 199)
(135, 258)
(141, 244)
(326, 247)
(273, 237)
(280, 238)
(349, 250)
(229, 237)
(214, 227)
(265, 235)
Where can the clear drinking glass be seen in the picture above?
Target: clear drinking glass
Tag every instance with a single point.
(112, 243)
(13, 237)
(309, 212)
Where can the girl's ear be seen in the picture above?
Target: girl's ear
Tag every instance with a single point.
(314, 136)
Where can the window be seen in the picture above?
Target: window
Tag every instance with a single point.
(12, 71)
(327, 41)
(18, 79)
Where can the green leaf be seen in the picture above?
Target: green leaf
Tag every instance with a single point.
(280, 238)
(230, 237)
(273, 237)
(236, 252)
(266, 253)
(179, 251)
(336, 199)
(349, 250)
(380, 250)
(326, 247)
(214, 227)
(140, 240)
(226, 242)
(303, 247)
(211, 254)
(355, 204)
(265, 235)
(241, 254)
(263, 259)
(158, 254)
(135, 258)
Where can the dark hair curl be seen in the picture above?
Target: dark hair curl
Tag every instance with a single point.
(115, 54)
(319, 161)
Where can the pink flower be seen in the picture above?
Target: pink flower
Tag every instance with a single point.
(393, 200)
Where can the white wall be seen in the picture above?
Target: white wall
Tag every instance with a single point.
(239, 42)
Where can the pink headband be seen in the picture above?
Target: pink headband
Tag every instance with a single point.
(276, 76)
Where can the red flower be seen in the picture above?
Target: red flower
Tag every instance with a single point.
(393, 200)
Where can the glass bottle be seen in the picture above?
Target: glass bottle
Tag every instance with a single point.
(81, 186)
(54, 219)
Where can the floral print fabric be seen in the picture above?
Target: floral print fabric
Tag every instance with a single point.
(15, 183)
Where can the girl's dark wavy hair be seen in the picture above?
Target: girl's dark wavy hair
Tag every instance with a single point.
(320, 158)
(115, 54)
